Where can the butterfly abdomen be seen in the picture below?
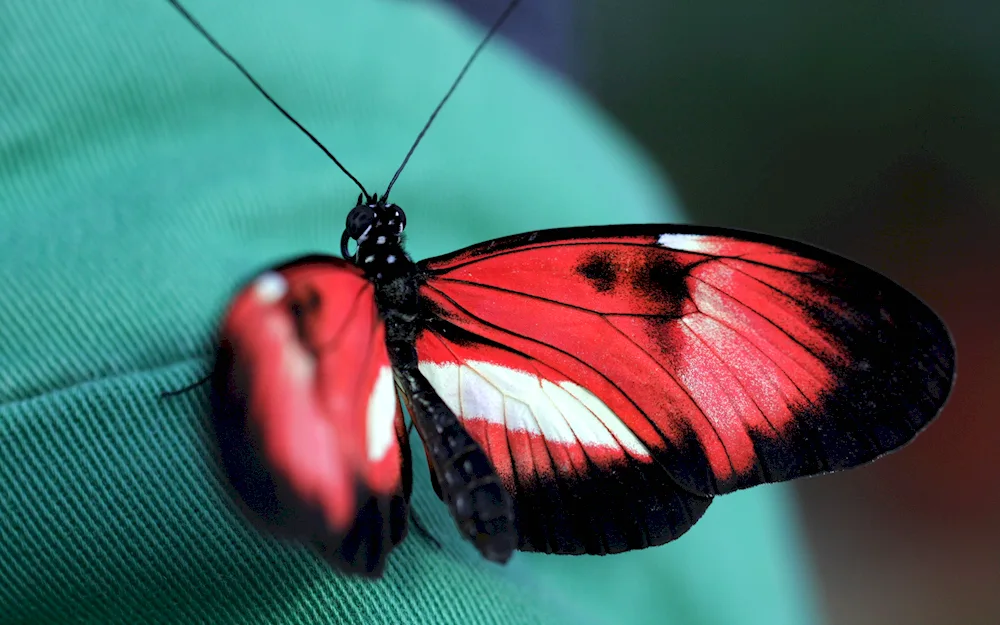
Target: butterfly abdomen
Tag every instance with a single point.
(469, 485)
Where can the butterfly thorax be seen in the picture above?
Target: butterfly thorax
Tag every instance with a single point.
(377, 227)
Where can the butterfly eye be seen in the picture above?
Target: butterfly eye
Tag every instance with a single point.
(400, 217)
(359, 219)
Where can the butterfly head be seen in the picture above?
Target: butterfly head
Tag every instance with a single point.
(376, 227)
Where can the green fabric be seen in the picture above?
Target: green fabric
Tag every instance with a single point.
(142, 179)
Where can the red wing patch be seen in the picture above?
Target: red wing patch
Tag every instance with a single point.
(309, 424)
(734, 359)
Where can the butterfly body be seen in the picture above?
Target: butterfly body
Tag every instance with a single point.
(466, 481)
(482, 508)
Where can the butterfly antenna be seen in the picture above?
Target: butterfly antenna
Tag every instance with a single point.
(218, 46)
(482, 44)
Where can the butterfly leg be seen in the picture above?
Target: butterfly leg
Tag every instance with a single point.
(481, 506)
(189, 387)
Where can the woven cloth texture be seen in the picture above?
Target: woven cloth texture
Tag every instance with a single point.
(142, 180)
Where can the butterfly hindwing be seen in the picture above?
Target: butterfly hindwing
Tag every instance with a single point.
(620, 376)
(582, 482)
(308, 423)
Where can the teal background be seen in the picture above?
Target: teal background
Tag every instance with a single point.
(143, 180)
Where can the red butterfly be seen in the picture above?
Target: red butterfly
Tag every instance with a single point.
(581, 390)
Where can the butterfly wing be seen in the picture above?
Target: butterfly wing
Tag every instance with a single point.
(619, 377)
(308, 423)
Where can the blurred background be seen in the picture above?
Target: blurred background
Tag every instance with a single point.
(870, 129)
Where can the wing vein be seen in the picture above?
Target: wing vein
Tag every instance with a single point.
(732, 372)
(764, 317)
(763, 355)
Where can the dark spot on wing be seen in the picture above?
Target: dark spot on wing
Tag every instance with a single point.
(661, 279)
(304, 304)
(600, 270)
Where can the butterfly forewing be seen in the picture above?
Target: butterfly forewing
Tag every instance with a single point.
(619, 376)
(310, 430)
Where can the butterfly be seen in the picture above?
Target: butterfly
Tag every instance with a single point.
(577, 391)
